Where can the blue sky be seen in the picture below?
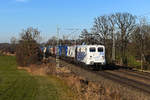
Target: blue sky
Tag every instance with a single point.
(45, 15)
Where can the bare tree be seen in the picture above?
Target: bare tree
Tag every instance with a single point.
(13, 41)
(112, 30)
(66, 41)
(52, 41)
(28, 49)
(140, 40)
(125, 23)
(30, 34)
(87, 37)
(102, 32)
(101, 29)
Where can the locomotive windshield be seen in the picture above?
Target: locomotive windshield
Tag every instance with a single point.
(92, 49)
(100, 49)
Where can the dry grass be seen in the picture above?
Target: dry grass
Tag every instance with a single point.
(7, 53)
(43, 69)
(89, 90)
(103, 90)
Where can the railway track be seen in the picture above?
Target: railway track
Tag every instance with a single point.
(133, 79)
(134, 74)
(145, 74)
(126, 81)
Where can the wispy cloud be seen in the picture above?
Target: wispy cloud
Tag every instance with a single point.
(22, 0)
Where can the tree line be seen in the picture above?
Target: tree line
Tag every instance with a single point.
(125, 36)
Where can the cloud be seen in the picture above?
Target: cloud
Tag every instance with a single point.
(22, 0)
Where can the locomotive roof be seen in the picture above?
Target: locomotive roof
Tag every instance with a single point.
(90, 45)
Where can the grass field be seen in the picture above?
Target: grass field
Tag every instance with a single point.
(20, 85)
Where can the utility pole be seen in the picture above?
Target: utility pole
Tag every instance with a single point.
(57, 48)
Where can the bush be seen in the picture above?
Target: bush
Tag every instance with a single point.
(27, 51)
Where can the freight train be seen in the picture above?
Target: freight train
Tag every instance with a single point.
(87, 54)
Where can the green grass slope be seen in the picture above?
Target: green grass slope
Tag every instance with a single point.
(20, 85)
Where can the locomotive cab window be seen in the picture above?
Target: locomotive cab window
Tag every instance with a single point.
(92, 49)
(100, 49)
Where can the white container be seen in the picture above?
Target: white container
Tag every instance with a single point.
(71, 51)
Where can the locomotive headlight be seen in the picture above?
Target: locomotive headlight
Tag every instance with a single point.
(90, 57)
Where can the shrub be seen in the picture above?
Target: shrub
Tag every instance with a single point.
(27, 50)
